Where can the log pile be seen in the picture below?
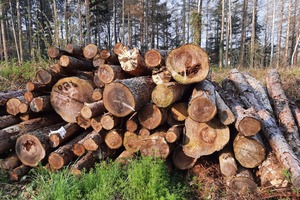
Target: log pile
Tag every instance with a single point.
(95, 104)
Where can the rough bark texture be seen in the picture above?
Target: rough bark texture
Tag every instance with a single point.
(8, 120)
(92, 141)
(109, 56)
(17, 173)
(37, 87)
(188, 64)
(86, 162)
(5, 96)
(40, 104)
(10, 162)
(224, 113)
(74, 63)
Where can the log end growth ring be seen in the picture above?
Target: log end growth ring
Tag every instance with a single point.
(201, 109)
(55, 160)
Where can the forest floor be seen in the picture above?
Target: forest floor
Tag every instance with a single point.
(212, 186)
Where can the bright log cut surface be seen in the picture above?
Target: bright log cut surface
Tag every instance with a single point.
(188, 64)
(69, 95)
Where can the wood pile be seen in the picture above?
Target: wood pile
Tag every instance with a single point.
(95, 104)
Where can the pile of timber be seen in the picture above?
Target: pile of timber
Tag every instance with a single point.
(95, 104)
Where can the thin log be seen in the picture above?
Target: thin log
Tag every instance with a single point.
(76, 51)
(78, 148)
(97, 61)
(224, 113)
(296, 113)
(125, 157)
(56, 52)
(181, 160)
(37, 87)
(188, 64)
(113, 139)
(63, 134)
(10, 162)
(93, 109)
(5, 96)
(68, 96)
(40, 104)
(124, 97)
(202, 105)
(155, 58)
(109, 73)
(109, 121)
(151, 116)
(161, 75)
(8, 120)
(90, 51)
(174, 133)
(24, 108)
(28, 96)
(74, 63)
(204, 138)
(17, 173)
(118, 48)
(282, 110)
(109, 56)
(92, 141)
(132, 142)
(85, 163)
(97, 94)
(179, 111)
(96, 124)
(83, 122)
(163, 95)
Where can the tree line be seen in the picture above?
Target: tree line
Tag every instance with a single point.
(244, 33)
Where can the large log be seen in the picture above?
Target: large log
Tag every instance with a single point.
(163, 95)
(108, 73)
(282, 110)
(68, 96)
(74, 63)
(124, 97)
(204, 138)
(5, 96)
(272, 133)
(155, 58)
(47, 77)
(151, 116)
(33, 147)
(188, 64)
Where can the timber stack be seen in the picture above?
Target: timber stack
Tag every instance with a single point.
(96, 104)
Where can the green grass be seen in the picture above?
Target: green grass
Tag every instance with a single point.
(142, 178)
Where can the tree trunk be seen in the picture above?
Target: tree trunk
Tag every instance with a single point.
(253, 34)
(37, 87)
(79, 23)
(90, 51)
(286, 54)
(94, 109)
(109, 56)
(87, 21)
(123, 97)
(97, 94)
(188, 64)
(47, 77)
(19, 30)
(280, 34)
(14, 32)
(10, 162)
(224, 113)
(3, 33)
(5, 96)
(86, 162)
(228, 164)
(17, 173)
(204, 138)
(98, 61)
(174, 133)
(75, 51)
(243, 37)
(68, 96)
(83, 122)
(95, 123)
(132, 123)
(151, 116)
(8, 120)
(12, 105)
(55, 52)
(221, 45)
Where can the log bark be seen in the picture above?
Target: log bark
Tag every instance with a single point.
(204, 138)
(56, 52)
(97, 94)
(124, 97)
(132, 142)
(12, 105)
(202, 106)
(40, 104)
(33, 147)
(224, 113)
(69, 95)
(151, 116)
(132, 62)
(155, 145)
(113, 139)
(85, 163)
(95, 123)
(163, 95)
(76, 51)
(93, 141)
(90, 51)
(93, 109)
(179, 111)
(5, 96)
(78, 148)
(174, 133)
(46, 77)
(28, 96)
(296, 113)
(74, 63)
(181, 160)
(63, 134)
(8, 120)
(249, 151)
(188, 64)
(125, 157)
(97, 61)
(108, 73)
(37, 87)
(155, 58)
(109, 56)
(108, 121)
(282, 110)
(10, 162)
(161, 75)
(227, 162)
(17, 173)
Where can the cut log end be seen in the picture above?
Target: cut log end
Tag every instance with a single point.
(249, 126)
(153, 58)
(181, 160)
(201, 109)
(56, 161)
(90, 51)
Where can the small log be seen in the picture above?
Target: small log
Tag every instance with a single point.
(132, 62)
(46, 77)
(204, 138)
(90, 51)
(296, 113)
(97, 61)
(12, 105)
(132, 142)
(76, 51)
(155, 145)
(282, 110)
(56, 52)
(10, 162)
(181, 160)
(144, 132)
(8, 120)
(188, 64)
(40, 104)
(24, 108)
(97, 81)
(124, 97)
(93, 109)
(228, 164)
(118, 48)
(28, 96)
(271, 172)
(202, 105)
(249, 151)
(132, 123)
(97, 94)
(37, 87)
(108, 121)
(155, 58)
(109, 73)
(161, 75)
(64, 154)
(74, 63)
(83, 122)
(64, 133)
(5, 96)
(96, 124)
(113, 139)
(78, 148)
(125, 157)
(92, 141)
(68, 96)
(163, 95)
(33, 147)
(17, 173)
(85, 163)
(109, 56)
(179, 111)
(151, 116)
(173, 133)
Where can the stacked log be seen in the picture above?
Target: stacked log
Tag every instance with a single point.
(117, 104)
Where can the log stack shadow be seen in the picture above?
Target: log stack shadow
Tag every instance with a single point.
(96, 104)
